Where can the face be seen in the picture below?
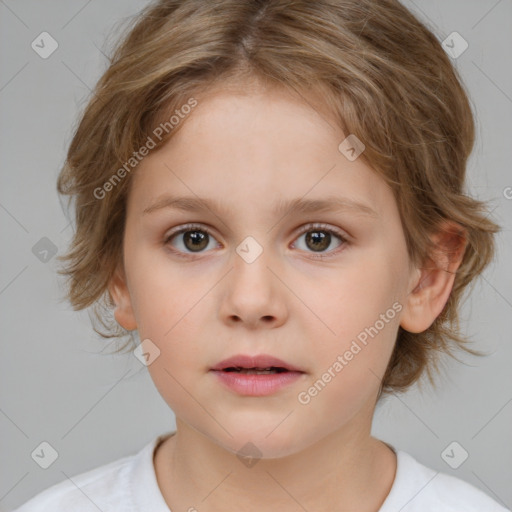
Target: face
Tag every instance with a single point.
(250, 275)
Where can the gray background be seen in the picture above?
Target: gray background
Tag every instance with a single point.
(57, 386)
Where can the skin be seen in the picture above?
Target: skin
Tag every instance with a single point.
(249, 148)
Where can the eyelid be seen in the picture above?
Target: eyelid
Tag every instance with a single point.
(188, 227)
(325, 227)
(303, 229)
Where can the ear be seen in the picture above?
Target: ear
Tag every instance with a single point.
(120, 294)
(431, 290)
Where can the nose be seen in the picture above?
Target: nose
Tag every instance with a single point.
(253, 295)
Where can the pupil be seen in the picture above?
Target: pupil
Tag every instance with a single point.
(319, 240)
(195, 240)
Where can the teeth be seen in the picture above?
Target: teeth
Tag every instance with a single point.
(256, 371)
(251, 371)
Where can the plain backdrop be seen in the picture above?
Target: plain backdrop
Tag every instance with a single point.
(56, 383)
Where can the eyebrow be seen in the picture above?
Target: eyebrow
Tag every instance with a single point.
(300, 205)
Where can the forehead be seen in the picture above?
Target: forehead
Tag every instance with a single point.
(255, 149)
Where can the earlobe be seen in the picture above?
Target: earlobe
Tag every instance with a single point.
(123, 312)
(431, 289)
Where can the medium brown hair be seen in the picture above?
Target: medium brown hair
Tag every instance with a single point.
(382, 74)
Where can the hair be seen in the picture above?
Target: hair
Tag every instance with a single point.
(380, 72)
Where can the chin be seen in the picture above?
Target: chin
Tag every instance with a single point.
(262, 442)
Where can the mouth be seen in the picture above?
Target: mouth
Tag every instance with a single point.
(261, 364)
(256, 376)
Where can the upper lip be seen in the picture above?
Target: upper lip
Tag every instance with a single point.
(260, 361)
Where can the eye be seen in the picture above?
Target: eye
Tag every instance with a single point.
(319, 237)
(194, 238)
(191, 238)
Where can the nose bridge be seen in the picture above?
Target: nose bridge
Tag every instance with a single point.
(250, 265)
(252, 290)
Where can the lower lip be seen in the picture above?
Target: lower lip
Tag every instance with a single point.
(257, 385)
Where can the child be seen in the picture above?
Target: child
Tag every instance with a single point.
(270, 194)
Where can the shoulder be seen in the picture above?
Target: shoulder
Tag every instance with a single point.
(455, 494)
(418, 488)
(97, 489)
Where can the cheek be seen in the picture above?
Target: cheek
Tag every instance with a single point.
(172, 326)
(357, 316)
(170, 307)
(163, 296)
(349, 367)
(353, 297)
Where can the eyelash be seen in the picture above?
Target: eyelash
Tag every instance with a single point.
(305, 229)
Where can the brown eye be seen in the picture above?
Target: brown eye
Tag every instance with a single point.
(190, 240)
(318, 239)
(195, 240)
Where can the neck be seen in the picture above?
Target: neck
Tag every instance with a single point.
(346, 470)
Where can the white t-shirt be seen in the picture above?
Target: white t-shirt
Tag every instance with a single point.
(129, 484)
